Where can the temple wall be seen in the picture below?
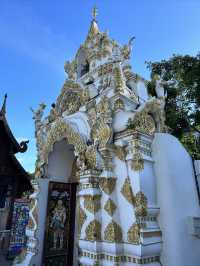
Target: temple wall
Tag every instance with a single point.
(42, 209)
(177, 199)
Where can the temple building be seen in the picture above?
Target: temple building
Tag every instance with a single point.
(14, 180)
(112, 186)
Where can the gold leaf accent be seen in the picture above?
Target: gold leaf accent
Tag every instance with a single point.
(118, 79)
(137, 162)
(92, 203)
(90, 155)
(60, 131)
(120, 152)
(81, 217)
(140, 204)
(107, 184)
(134, 234)
(119, 104)
(93, 231)
(113, 232)
(127, 191)
(144, 123)
(110, 207)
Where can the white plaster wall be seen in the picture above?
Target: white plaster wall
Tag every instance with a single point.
(42, 208)
(177, 198)
(60, 162)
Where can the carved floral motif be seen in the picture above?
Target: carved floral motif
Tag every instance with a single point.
(59, 131)
(110, 207)
(92, 203)
(137, 163)
(127, 191)
(140, 204)
(119, 104)
(107, 184)
(133, 234)
(113, 232)
(93, 231)
(120, 152)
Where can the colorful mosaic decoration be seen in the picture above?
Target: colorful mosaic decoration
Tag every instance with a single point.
(18, 229)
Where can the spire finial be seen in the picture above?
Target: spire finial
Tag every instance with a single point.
(94, 12)
(3, 108)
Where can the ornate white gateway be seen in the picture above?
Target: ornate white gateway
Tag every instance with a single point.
(99, 135)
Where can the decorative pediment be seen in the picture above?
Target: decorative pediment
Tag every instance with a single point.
(72, 97)
(59, 131)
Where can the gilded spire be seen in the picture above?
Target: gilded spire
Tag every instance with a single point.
(94, 13)
(94, 27)
(3, 108)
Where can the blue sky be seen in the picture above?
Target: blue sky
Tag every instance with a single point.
(36, 37)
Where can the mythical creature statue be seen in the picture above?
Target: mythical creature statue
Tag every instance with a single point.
(38, 114)
(127, 48)
(24, 146)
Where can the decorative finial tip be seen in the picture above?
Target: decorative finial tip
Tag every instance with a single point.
(3, 109)
(94, 12)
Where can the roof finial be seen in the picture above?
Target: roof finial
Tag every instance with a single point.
(94, 12)
(3, 108)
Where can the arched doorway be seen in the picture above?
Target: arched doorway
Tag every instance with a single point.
(59, 241)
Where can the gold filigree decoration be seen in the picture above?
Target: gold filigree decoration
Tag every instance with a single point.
(72, 97)
(110, 207)
(120, 152)
(144, 123)
(81, 217)
(90, 155)
(118, 79)
(113, 233)
(59, 131)
(92, 203)
(119, 104)
(137, 163)
(107, 184)
(93, 231)
(133, 234)
(140, 204)
(127, 191)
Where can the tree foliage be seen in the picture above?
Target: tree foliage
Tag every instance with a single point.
(183, 97)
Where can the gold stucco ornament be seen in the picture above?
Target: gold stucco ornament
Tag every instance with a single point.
(107, 184)
(120, 152)
(91, 157)
(93, 231)
(142, 122)
(92, 203)
(59, 131)
(133, 234)
(119, 83)
(119, 105)
(110, 207)
(127, 191)
(140, 204)
(81, 217)
(137, 163)
(113, 233)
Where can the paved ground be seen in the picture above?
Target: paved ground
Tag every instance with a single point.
(3, 261)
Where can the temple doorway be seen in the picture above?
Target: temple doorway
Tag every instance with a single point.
(61, 206)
